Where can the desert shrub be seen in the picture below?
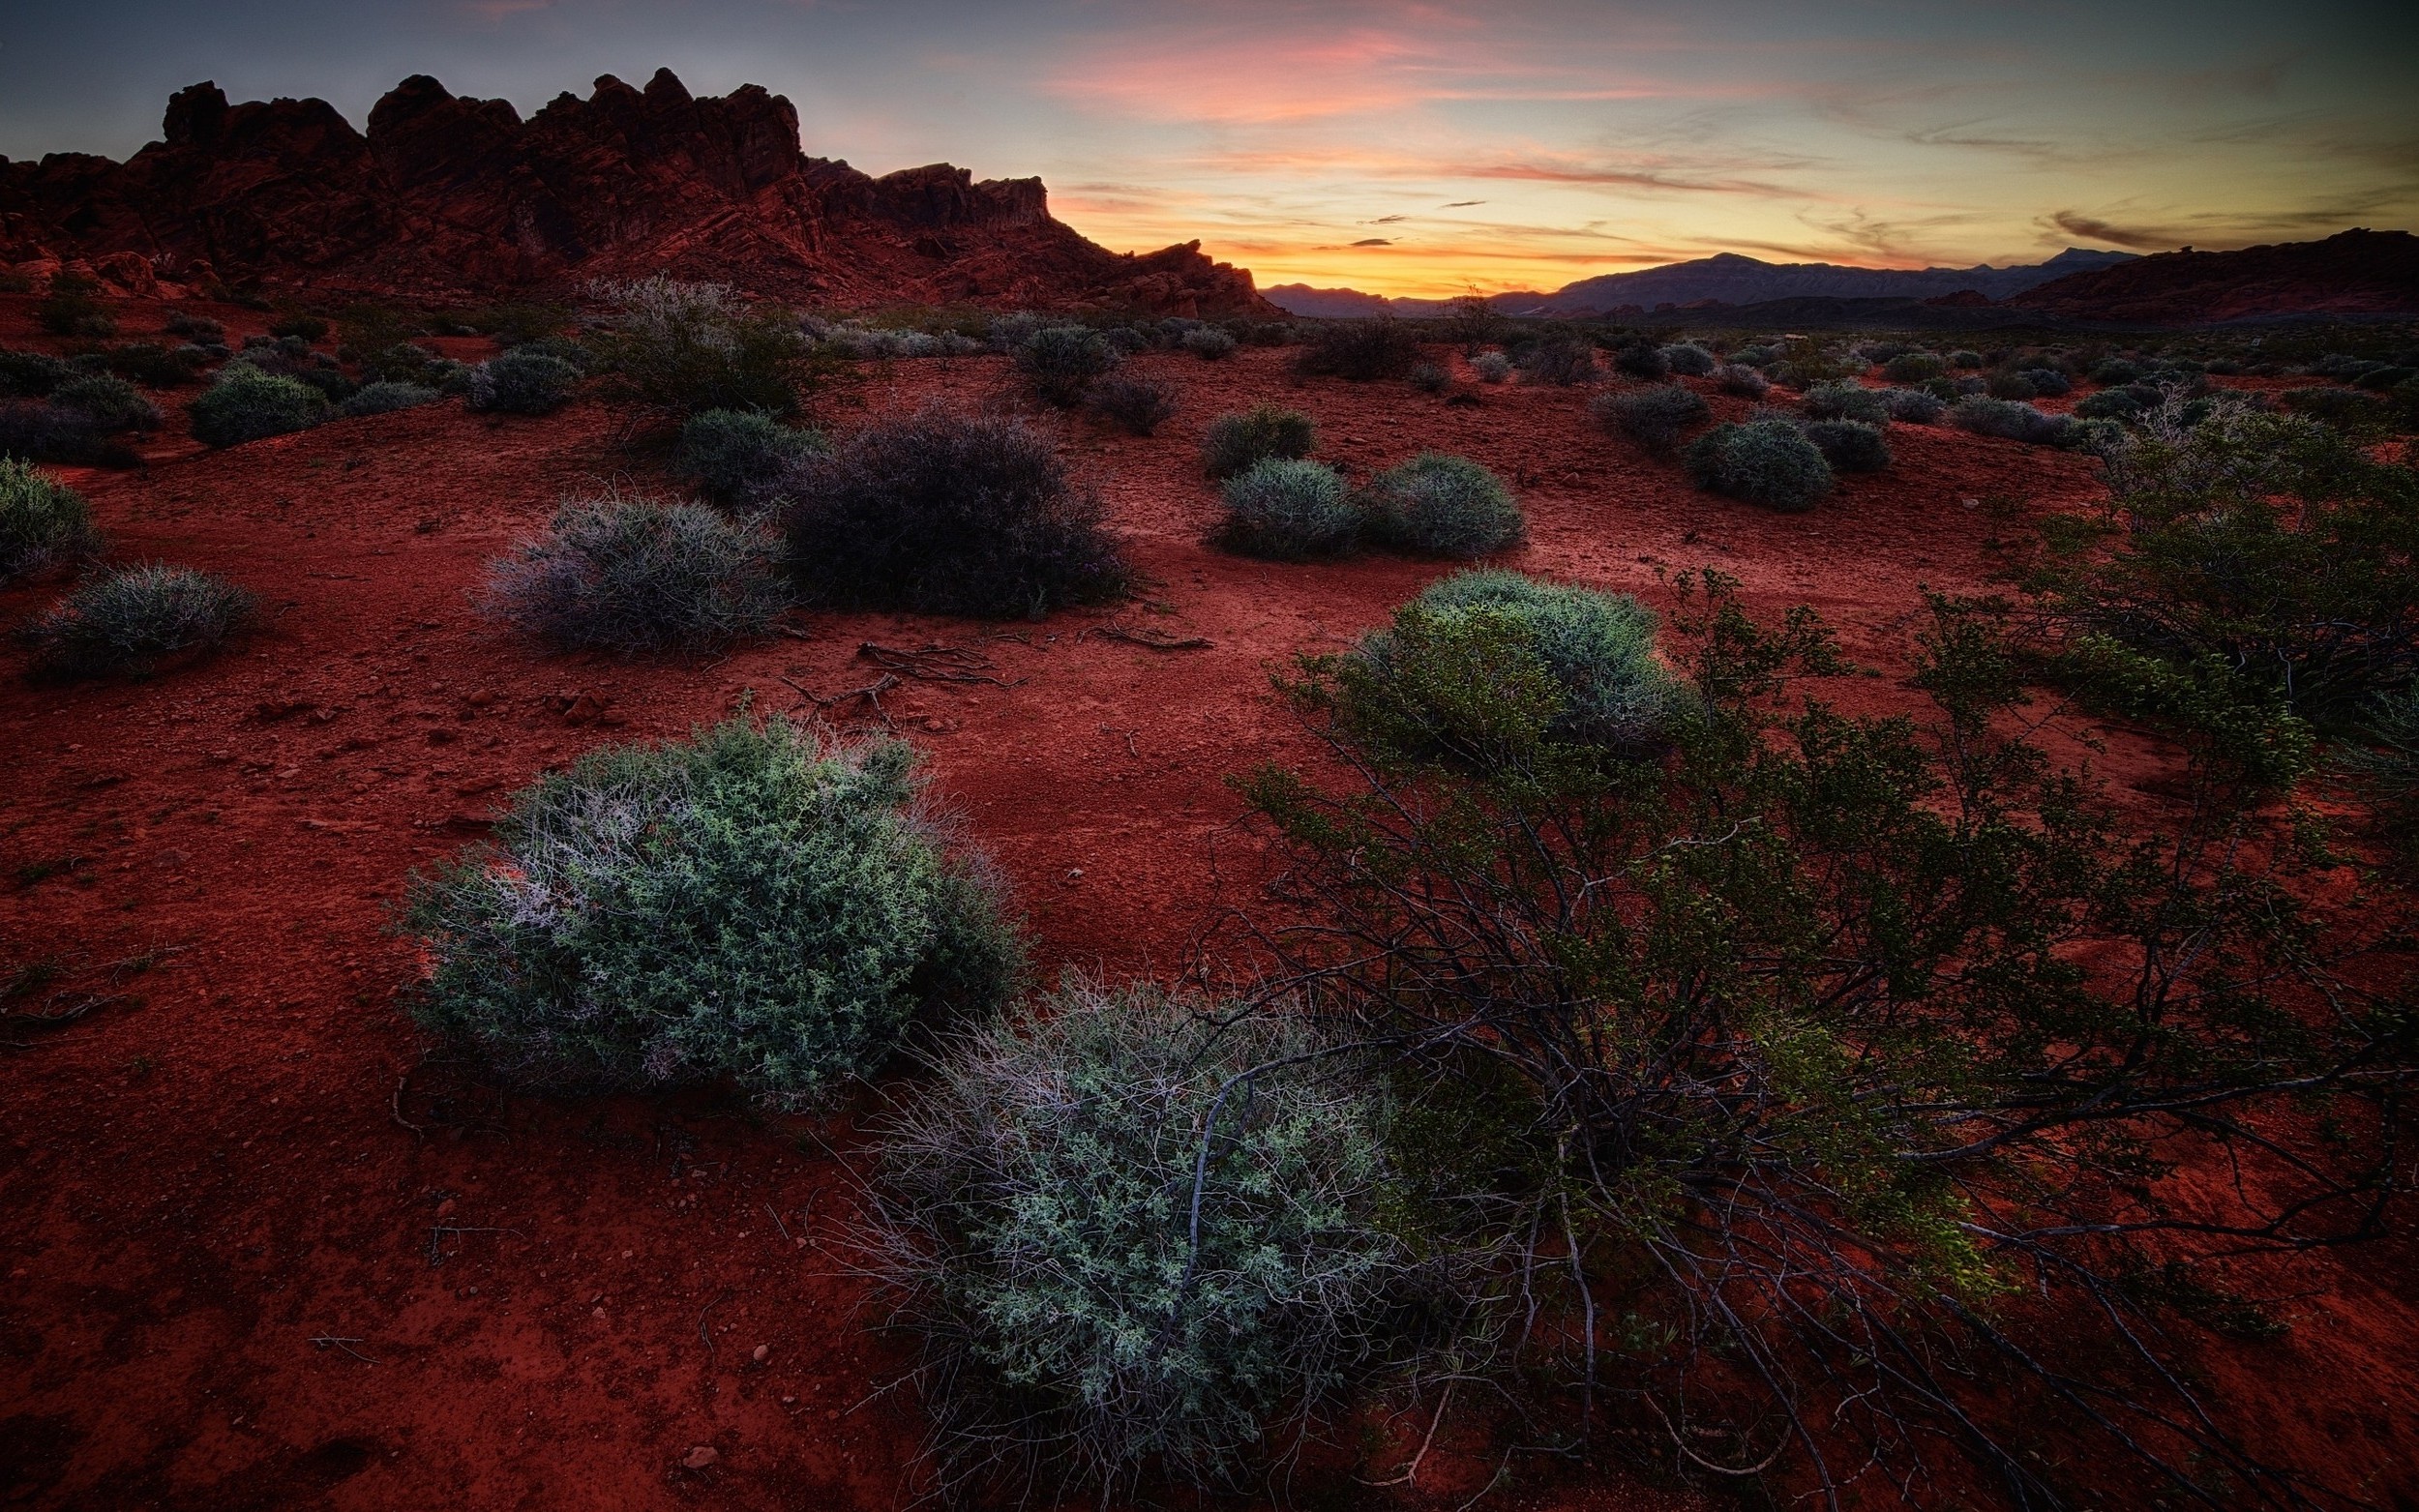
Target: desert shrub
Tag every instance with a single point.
(521, 383)
(309, 329)
(755, 906)
(562, 348)
(1098, 1289)
(112, 402)
(1847, 399)
(1655, 416)
(71, 310)
(2010, 386)
(2108, 405)
(736, 457)
(1757, 355)
(1563, 362)
(154, 366)
(944, 513)
(1235, 442)
(1849, 445)
(687, 347)
(1640, 358)
(41, 520)
(384, 397)
(1141, 405)
(1688, 360)
(2046, 382)
(2382, 764)
(2116, 370)
(31, 375)
(1915, 406)
(1061, 362)
(1288, 509)
(1741, 381)
(1964, 359)
(2348, 408)
(2009, 420)
(1359, 349)
(2384, 380)
(1491, 366)
(1913, 368)
(40, 433)
(1209, 344)
(639, 574)
(125, 622)
(1766, 462)
(246, 404)
(1429, 378)
(194, 328)
(1437, 505)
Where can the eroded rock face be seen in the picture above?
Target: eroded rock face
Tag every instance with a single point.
(2350, 273)
(450, 196)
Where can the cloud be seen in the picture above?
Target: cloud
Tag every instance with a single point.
(1387, 219)
(1463, 204)
(1374, 241)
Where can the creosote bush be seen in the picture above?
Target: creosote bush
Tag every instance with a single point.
(1641, 359)
(639, 574)
(1138, 405)
(1209, 344)
(1439, 505)
(1288, 509)
(521, 382)
(1235, 442)
(386, 398)
(944, 513)
(127, 621)
(736, 457)
(247, 404)
(1850, 445)
(1655, 416)
(1061, 362)
(2009, 420)
(1766, 462)
(112, 402)
(758, 905)
(41, 520)
(1847, 399)
(1359, 349)
(686, 347)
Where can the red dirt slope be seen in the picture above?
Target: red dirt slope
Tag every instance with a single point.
(2353, 273)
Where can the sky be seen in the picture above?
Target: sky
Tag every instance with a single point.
(1419, 146)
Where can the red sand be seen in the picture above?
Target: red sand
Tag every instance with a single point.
(219, 1239)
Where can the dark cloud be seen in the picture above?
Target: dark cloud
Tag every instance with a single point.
(1373, 241)
(1464, 204)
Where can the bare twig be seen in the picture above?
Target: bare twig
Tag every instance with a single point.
(330, 1340)
(1144, 636)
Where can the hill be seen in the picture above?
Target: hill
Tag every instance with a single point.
(2353, 273)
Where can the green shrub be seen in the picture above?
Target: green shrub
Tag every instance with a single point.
(2382, 763)
(1641, 359)
(1908, 368)
(1081, 1318)
(2009, 420)
(246, 404)
(1558, 361)
(125, 622)
(687, 347)
(31, 375)
(154, 366)
(1655, 416)
(1850, 445)
(1209, 344)
(1236, 442)
(2047, 383)
(639, 574)
(754, 905)
(1140, 405)
(736, 459)
(1061, 362)
(41, 520)
(1965, 361)
(1688, 360)
(1915, 406)
(112, 402)
(1288, 509)
(1766, 462)
(38, 433)
(1428, 378)
(2010, 386)
(1491, 366)
(1435, 505)
(1359, 349)
(2348, 408)
(1847, 399)
(1741, 381)
(2108, 405)
(519, 383)
(386, 398)
(194, 328)
(71, 310)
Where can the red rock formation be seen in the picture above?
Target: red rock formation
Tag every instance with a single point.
(450, 197)
(2351, 273)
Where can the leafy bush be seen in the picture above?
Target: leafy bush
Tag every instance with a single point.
(1209, 344)
(1689, 361)
(1849, 445)
(125, 622)
(1847, 400)
(309, 329)
(1915, 406)
(31, 375)
(2383, 764)
(1965, 360)
(194, 328)
(1094, 1294)
(1766, 462)
(1640, 358)
(1491, 366)
(638, 575)
(1061, 362)
(71, 310)
(384, 399)
(521, 383)
(2010, 386)
(1288, 509)
(1435, 505)
(41, 520)
(2009, 420)
(736, 459)
(112, 402)
(154, 366)
(1913, 368)
(1429, 378)
(754, 905)
(1655, 416)
(1359, 349)
(246, 404)
(1741, 381)
(2046, 382)
(1235, 442)
(1559, 361)
(1140, 405)
(687, 347)
(38, 433)
(2108, 405)
(2348, 408)
(944, 513)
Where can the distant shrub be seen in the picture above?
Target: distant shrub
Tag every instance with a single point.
(687, 347)
(1209, 344)
(127, 621)
(1915, 406)
(31, 375)
(2008, 421)
(309, 329)
(41, 520)
(755, 906)
(1640, 358)
(1141, 405)
(2348, 408)
(1061, 363)
(1847, 399)
(34, 432)
(1757, 356)
(1359, 349)
(635, 575)
(2108, 405)
(384, 399)
(1289, 511)
(736, 459)
(194, 328)
(562, 348)
(1437, 505)
(2384, 380)
(1233, 442)
(521, 383)
(1491, 366)
(112, 402)
(246, 404)
(1849, 445)
(2011, 386)
(71, 310)
(1429, 378)
(1965, 360)
(1655, 416)
(1741, 381)
(154, 366)
(1913, 368)
(2047, 382)
(1767, 461)
(1689, 360)
(944, 513)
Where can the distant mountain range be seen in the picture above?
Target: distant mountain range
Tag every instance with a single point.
(2349, 274)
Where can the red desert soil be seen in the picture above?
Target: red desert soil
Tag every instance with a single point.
(235, 1279)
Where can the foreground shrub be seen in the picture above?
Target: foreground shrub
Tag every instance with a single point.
(386, 398)
(1767, 461)
(1655, 416)
(1741, 381)
(1561, 362)
(154, 366)
(944, 513)
(521, 383)
(112, 402)
(1209, 344)
(686, 347)
(1847, 399)
(1640, 358)
(736, 458)
(127, 621)
(246, 404)
(1115, 1262)
(1491, 366)
(1288, 509)
(1437, 505)
(2008, 421)
(31, 375)
(1359, 349)
(2108, 405)
(755, 906)
(1061, 362)
(639, 574)
(194, 328)
(1139, 405)
(1429, 378)
(1850, 445)
(1236, 442)
(2348, 408)
(41, 520)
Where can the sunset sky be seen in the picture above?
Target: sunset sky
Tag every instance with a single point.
(1419, 148)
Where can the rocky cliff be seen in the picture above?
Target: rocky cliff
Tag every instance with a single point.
(2352, 272)
(445, 196)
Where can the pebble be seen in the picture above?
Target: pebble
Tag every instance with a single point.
(701, 1456)
(762, 1351)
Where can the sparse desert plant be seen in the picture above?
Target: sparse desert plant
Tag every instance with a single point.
(41, 520)
(385, 397)
(127, 621)
(1909, 368)
(41, 433)
(1491, 366)
(1116, 1262)
(1914, 406)
(154, 366)
(2046, 382)
(1561, 362)
(1209, 344)
(736, 457)
(942, 513)
(2348, 408)
(1361, 350)
(1235, 442)
(1061, 362)
(112, 402)
(1741, 381)
(636, 575)
(31, 375)
(1439, 505)
(1288, 509)
(246, 404)
(686, 347)
(1847, 399)
(521, 383)
(1640, 358)
(2108, 405)
(2009, 420)
(1850, 445)
(1140, 405)
(309, 329)
(1766, 462)
(757, 905)
(71, 310)
(1655, 416)
(1688, 360)
(1429, 378)
(194, 328)
(2011, 386)
(1964, 359)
